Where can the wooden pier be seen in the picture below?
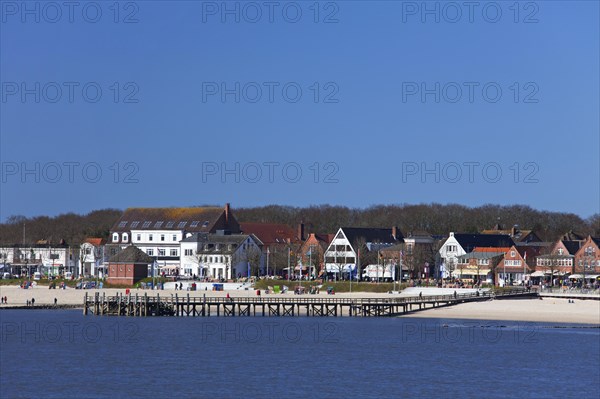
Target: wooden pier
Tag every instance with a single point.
(275, 306)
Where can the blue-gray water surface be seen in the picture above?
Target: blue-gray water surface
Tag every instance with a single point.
(63, 354)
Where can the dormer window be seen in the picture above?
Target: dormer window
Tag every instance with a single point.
(125, 237)
(115, 237)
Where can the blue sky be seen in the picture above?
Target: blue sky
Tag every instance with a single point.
(498, 104)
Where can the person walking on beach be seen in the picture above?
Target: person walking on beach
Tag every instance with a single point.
(32, 301)
(55, 301)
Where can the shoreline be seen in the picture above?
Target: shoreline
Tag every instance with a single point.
(544, 309)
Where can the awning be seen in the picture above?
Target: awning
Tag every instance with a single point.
(590, 276)
(169, 267)
(538, 274)
(471, 272)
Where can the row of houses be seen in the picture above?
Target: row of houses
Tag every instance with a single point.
(210, 242)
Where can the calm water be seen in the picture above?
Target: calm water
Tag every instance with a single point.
(62, 354)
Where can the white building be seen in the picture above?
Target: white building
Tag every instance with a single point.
(42, 257)
(93, 259)
(341, 254)
(458, 244)
(158, 231)
(220, 255)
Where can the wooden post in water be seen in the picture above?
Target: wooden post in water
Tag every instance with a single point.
(85, 305)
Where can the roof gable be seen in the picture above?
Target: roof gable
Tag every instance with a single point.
(131, 254)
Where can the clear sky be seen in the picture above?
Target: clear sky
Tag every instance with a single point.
(356, 103)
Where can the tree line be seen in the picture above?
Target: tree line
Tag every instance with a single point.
(435, 219)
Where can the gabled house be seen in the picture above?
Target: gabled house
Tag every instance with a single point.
(280, 244)
(311, 253)
(587, 258)
(157, 231)
(221, 255)
(341, 256)
(478, 265)
(92, 258)
(514, 266)
(559, 260)
(458, 244)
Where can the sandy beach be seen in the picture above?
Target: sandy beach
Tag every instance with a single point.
(538, 310)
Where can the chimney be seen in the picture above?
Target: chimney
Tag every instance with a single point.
(227, 212)
(301, 231)
(394, 232)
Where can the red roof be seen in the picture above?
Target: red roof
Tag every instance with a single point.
(95, 241)
(488, 249)
(271, 233)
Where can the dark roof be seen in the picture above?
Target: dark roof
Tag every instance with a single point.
(188, 219)
(572, 236)
(596, 240)
(469, 241)
(372, 235)
(572, 246)
(271, 233)
(131, 254)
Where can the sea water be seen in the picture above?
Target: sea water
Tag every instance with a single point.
(63, 354)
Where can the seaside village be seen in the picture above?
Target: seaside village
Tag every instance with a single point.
(208, 244)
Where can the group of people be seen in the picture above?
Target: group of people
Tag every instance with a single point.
(3, 299)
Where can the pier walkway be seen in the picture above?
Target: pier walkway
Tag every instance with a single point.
(175, 305)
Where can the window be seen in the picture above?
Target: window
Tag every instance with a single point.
(122, 224)
(560, 251)
(134, 224)
(181, 225)
(115, 237)
(162, 237)
(161, 252)
(512, 254)
(174, 237)
(205, 224)
(173, 252)
(146, 225)
(189, 252)
(170, 225)
(138, 237)
(450, 248)
(195, 223)
(150, 252)
(150, 237)
(158, 224)
(125, 237)
(88, 251)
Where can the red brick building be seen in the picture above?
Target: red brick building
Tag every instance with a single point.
(128, 266)
(587, 258)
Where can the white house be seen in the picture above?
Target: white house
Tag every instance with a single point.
(341, 254)
(458, 244)
(220, 255)
(92, 258)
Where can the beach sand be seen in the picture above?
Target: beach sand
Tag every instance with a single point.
(556, 310)
(544, 310)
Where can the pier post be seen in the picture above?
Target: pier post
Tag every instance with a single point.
(85, 305)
